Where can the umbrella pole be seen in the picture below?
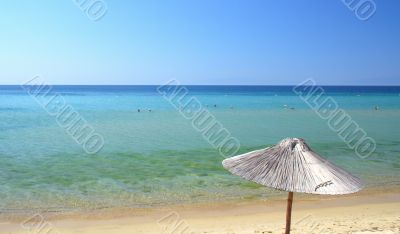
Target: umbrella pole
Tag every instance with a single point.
(289, 212)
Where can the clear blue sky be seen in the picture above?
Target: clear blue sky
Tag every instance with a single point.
(200, 42)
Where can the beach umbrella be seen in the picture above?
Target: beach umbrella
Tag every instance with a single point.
(292, 166)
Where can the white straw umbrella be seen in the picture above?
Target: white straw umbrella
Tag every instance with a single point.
(292, 166)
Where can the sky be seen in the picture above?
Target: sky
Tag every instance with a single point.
(215, 42)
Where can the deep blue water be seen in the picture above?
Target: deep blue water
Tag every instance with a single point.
(209, 89)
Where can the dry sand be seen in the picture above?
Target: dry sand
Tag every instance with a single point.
(359, 213)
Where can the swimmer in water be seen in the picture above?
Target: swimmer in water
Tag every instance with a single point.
(376, 108)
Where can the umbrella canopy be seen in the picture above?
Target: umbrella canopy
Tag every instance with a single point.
(292, 166)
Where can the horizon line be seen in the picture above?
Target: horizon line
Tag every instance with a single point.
(344, 85)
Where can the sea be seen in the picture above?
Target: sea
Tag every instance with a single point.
(152, 155)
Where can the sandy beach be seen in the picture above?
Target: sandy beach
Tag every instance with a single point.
(359, 213)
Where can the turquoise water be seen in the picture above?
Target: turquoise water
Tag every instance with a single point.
(158, 158)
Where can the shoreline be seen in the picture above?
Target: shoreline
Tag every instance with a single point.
(377, 193)
(363, 212)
